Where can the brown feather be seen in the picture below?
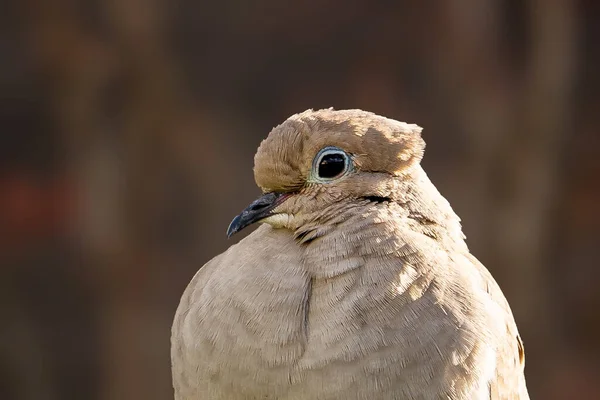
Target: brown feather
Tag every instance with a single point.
(378, 144)
(358, 288)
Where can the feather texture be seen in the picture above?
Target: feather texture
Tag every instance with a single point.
(346, 297)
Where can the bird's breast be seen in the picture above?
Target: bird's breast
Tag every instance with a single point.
(277, 329)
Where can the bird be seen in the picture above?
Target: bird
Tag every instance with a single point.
(357, 283)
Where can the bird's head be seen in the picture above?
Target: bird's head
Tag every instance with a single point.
(317, 164)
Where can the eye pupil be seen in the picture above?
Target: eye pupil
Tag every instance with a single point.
(332, 165)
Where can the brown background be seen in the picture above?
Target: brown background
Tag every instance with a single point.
(128, 130)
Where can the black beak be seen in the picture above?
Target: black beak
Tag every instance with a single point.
(260, 208)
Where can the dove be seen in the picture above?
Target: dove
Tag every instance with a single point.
(357, 284)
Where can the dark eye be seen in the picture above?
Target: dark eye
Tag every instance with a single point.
(331, 163)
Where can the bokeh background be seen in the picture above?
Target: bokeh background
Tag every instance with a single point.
(128, 130)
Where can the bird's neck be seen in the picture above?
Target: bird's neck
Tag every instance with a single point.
(418, 221)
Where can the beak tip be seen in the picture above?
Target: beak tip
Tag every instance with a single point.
(233, 227)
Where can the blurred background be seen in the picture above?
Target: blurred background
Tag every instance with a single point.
(128, 134)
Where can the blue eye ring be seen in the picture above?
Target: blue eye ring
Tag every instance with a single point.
(331, 163)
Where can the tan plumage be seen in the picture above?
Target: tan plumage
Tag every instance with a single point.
(356, 287)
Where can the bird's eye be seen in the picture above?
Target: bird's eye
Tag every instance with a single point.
(331, 163)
